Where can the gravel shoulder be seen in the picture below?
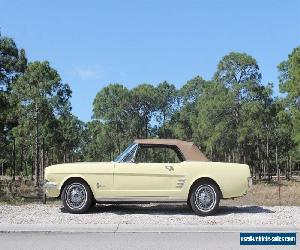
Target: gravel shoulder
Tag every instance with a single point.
(153, 214)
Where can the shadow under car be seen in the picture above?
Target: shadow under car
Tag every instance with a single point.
(168, 209)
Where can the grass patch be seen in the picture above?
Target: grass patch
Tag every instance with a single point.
(19, 192)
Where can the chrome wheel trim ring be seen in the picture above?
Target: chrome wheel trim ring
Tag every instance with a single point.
(76, 196)
(205, 198)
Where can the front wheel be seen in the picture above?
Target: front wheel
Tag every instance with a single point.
(77, 197)
(204, 199)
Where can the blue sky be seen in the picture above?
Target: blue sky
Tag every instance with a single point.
(94, 43)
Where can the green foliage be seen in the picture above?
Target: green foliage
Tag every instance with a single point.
(110, 103)
(233, 117)
(290, 74)
(238, 71)
(12, 63)
(157, 155)
(143, 104)
(72, 135)
(111, 108)
(289, 83)
(166, 101)
(41, 85)
(98, 142)
(191, 91)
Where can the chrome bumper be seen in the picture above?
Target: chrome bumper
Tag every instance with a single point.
(51, 189)
(50, 185)
(250, 182)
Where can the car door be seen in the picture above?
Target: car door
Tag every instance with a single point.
(147, 177)
(176, 178)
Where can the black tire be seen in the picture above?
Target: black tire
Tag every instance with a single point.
(189, 204)
(94, 203)
(77, 197)
(204, 198)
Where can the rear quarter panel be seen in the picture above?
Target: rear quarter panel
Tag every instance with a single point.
(231, 177)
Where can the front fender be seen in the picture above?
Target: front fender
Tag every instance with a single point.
(65, 179)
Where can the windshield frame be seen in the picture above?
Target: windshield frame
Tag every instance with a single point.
(126, 152)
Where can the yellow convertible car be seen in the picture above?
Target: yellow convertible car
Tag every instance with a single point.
(148, 171)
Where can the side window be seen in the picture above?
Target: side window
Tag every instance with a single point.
(157, 155)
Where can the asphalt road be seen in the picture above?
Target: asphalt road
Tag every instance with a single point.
(62, 240)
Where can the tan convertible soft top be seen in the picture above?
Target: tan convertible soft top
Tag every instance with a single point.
(189, 151)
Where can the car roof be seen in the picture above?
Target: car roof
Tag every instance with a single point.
(189, 150)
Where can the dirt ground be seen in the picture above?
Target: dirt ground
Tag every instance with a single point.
(154, 214)
(268, 195)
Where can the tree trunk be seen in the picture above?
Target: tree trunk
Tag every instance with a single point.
(276, 163)
(26, 164)
(264, 168)
(47, 158)
(268, 161)
(65, 156)
(290, 164)
(33, 163)
(286, 171)
(14, 159)
(22, 157)
(37, 152)
(146, 128)
(119, 145)
(258, 160)
(42, 160)
(70, 154)
(52, 156)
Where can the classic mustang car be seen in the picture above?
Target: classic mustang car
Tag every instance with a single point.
(149, 170)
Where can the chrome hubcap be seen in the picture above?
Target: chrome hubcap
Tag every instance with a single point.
(76, 196)
(205, 198)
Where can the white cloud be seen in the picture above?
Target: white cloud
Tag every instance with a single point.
(89, 73)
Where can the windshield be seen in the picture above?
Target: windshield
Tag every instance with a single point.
(124, 153)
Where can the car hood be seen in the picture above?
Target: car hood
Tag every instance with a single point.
(78, 167)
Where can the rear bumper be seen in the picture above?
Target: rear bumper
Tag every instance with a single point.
(248, 187)
(237, 189)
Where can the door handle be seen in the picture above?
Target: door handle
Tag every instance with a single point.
(170, 168)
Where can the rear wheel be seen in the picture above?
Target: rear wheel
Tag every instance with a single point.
(77, 197)
(205, 198)
(94, 203)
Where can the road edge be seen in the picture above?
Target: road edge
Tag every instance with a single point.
(138, 228)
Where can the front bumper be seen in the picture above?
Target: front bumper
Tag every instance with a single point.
(51, 189)
(250, 182)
